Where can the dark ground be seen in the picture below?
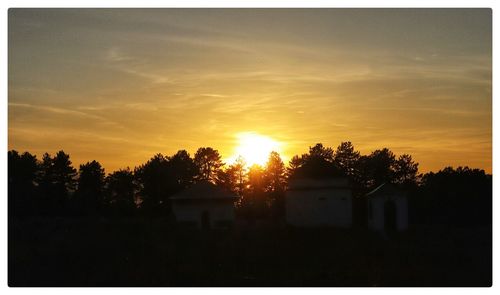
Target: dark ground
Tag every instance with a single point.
(137, 252)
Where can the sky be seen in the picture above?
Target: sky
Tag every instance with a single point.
(120, 85)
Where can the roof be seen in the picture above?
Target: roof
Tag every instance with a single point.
(385, 189)
(203, 190)
(318, 183)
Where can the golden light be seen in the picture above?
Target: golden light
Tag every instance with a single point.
(254, 148)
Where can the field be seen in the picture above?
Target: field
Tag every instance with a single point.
(144, 252)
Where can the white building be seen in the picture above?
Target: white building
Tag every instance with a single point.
(319, 202)
(204, 206)
(387, 208)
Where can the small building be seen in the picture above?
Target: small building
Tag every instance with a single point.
(205, 206)
(319, 202)
(387, 208)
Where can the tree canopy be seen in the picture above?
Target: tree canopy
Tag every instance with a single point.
(53, 186)
(208, 162)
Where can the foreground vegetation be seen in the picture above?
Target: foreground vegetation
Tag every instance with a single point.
(145, 252)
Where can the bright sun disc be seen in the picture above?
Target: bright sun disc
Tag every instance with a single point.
(255, 148)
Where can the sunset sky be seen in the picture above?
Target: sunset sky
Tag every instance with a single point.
(120, 85)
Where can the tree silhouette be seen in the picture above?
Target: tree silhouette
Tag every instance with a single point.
(120, 192)
(294, 164)
(254, 203)
(256, 179)
(233, 178)
(225, 179)
(182, 168)
(461, 196)
(405, 170)
(346, 159)
(46, 186)
(208, 161)
(22, 174)
(239, 171)
(275, 174)
(155, 182)
(57, 182)
(89, 195)
(318, 151)
(378, 167)
(317, 164)
(161, 177)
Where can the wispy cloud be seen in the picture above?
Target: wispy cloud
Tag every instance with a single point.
(116, 55)
(63, 111)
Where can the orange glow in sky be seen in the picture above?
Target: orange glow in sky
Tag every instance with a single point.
(120, 85)
(254, 148)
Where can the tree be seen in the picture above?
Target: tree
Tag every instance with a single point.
(208, 161)
(406, 170)
(318, 151)
(22, 174)
(64, 173)
(239, 172)
(346, 159)
(182, 168)
(22, 168)
(45, 180)
(317, 164)
(461, 196)
(275, 175)
(57, 182)
(156, 183)
(256, 179)
(161, 177)
(90, 187)
(377, 168)
(225, 179)
(121, 192)
(233, 178)
(254, 203)
(294, 164)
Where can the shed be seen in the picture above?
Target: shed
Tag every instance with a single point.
(387, 208)
(314, 202)
(205, 206)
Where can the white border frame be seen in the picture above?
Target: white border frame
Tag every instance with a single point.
(240, 4)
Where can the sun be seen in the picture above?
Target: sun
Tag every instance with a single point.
(254, 148)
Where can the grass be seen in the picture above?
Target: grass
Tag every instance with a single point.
(142, 252)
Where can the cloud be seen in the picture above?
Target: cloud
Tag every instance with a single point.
(63, 111)
(116, 55)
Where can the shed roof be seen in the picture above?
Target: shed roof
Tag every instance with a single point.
(385, 189)
(318, 183)
(203, 190)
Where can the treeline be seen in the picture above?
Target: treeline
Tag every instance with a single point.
(52, 186)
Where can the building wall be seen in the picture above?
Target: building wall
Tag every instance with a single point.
(402, 213)
(376, 213)
(190, 212)
(320, 207)
(376, 217)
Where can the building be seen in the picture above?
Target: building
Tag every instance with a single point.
(387, 208)
(204, 206)
(319, 202)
